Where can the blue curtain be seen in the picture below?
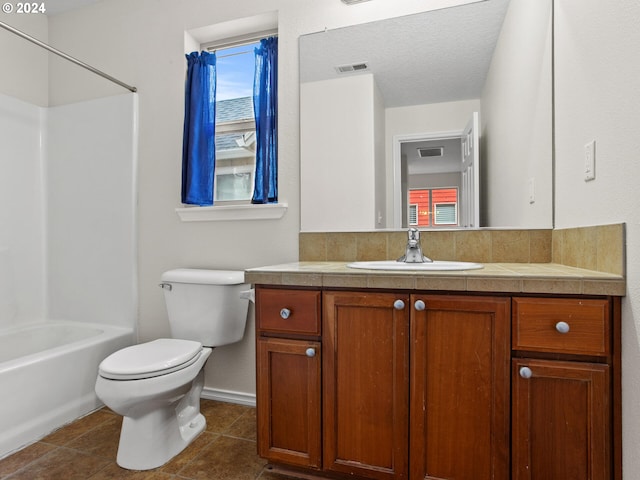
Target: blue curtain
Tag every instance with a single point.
(265, 106)
(198, 144)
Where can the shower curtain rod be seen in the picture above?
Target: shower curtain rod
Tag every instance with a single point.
(65, 56)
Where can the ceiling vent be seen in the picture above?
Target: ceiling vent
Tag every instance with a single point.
(431, 152)
(356, 67)
(351, 2)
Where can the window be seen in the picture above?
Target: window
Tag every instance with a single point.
(445, 214)
(223, 83)
(235, 138)
(413, 214)
(433, 207)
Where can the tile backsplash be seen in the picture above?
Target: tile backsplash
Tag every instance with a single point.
(595, 248)
(600, 248)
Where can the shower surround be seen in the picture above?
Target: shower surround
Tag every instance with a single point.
(67, 254)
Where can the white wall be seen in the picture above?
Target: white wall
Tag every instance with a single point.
(597, 98)
(516, 121)
(380, 163)
(346, 162)
(22, 291)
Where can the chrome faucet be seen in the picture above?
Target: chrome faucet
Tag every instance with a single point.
(413, 252)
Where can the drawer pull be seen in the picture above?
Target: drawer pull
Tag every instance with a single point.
(419, 305)
(398, 305)
(311, 352)
(285, 313)
(562, 327)
(525, 372)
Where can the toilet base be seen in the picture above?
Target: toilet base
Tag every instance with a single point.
(144, 449)
(151, 439)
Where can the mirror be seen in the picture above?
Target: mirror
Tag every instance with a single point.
(370, 92)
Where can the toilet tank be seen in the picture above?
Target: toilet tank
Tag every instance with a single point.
(205, 305)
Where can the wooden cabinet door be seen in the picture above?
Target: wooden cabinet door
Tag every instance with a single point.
(561, 420)
(460, 386)
(365, 381)
(288, 401)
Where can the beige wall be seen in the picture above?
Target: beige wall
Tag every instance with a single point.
(597, 98)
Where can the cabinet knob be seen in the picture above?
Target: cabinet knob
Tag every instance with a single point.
(398, 305)
(419, 305)
(563, 327)
(285, 313)
(310, 352)
(525, 372)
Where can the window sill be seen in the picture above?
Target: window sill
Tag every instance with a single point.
(270, 211)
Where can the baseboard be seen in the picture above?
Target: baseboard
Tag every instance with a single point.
(240, 398)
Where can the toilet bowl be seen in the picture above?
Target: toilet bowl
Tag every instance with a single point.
(161, 410)
(156, 385)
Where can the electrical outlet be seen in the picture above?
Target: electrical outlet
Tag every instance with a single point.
(590, 161)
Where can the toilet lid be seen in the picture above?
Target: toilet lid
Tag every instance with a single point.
(150, 359)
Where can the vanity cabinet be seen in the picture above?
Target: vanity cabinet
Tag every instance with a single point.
(459, 406)
(562, 411)
(403, 384)
(365, 375)
(288, 389)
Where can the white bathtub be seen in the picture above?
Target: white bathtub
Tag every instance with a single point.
(47, 376)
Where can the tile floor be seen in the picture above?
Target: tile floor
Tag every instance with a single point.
(86, 450)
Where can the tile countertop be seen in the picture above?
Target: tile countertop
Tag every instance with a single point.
(544, 278)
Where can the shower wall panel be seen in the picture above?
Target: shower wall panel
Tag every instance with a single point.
(21, 212)
(91, 202)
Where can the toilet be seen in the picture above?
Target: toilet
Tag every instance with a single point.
(156, 386)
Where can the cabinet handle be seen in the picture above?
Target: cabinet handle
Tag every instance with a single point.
(310, 352)
(525, 372)
(419, 305)
(285, 313)
(398, 305)
(563, 327)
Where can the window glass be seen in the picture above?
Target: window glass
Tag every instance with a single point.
(413, 214)
(445, 214)
(235, 126)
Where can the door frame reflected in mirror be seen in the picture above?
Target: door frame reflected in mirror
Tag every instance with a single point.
(401, 189)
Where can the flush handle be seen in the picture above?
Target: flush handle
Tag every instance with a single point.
(165, 286)
(285, 313)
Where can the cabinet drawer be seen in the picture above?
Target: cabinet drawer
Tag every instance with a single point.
(563, 325)
(288, 311)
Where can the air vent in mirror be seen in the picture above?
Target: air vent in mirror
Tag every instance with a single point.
(356, 67)
(431, 152)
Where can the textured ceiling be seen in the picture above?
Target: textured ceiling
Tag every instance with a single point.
(436, 56)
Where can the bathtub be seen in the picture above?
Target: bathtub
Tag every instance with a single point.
(47, 376)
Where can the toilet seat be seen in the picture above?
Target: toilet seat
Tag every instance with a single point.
(150, 359)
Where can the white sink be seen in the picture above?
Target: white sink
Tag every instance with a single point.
(436, 265)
